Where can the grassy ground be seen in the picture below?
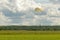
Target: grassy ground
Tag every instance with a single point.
(29, 35)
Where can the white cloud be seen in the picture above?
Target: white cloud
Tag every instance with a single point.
(3, 19)
(25, 23)
(55, 20)
(53, 10)
(30, 17)
(23, 5)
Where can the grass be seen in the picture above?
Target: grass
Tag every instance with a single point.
(29, 35)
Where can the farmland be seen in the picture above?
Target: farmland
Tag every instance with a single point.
(29, 35)
(29, 32)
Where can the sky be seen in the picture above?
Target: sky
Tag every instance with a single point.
(22, 12)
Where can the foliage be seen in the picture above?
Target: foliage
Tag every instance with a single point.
(35, 28)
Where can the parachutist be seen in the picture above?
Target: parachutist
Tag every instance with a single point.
(38, 9)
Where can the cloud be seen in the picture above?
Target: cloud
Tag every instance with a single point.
(3, 19)
(21, 12)
(55, 20)
(55, 1)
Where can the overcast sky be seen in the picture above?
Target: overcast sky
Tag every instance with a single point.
(21, 12)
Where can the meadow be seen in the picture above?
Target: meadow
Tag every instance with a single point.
(29, 35)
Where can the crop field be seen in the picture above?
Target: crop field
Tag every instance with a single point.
(29, 35)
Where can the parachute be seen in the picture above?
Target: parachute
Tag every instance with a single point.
(38, 9)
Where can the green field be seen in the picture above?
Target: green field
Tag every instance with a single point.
(29, 35)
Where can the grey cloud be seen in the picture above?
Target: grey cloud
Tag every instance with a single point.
(55, 1)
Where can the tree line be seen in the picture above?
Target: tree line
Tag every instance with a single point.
(35, 28)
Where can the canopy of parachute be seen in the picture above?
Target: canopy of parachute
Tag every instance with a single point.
(38, 9)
